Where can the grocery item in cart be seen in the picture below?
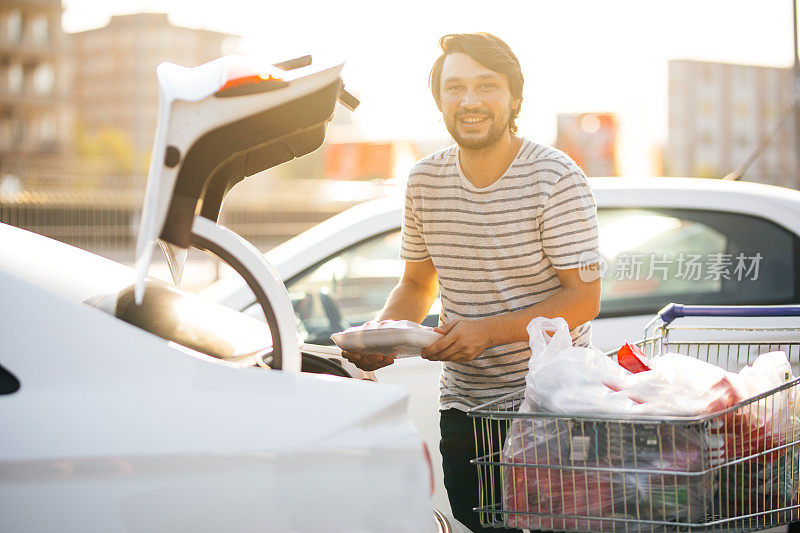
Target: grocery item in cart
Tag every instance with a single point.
(765, 423)
(566, 379)
(563, 378)
(601, 474)
(632, 359)
(758, 486)
(761, 432)
(394, 338)
(549, 491)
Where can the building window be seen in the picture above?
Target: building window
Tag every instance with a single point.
(14, 26)
(43, 80)
(15, 78)
(40, 29)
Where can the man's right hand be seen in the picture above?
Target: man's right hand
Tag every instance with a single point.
(367, 362)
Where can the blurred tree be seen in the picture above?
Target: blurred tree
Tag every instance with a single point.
(707, 171)
(111, 146)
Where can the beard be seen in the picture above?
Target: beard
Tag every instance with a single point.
(477, 141)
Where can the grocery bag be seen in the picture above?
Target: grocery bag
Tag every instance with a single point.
(563, 378)
(568, 379)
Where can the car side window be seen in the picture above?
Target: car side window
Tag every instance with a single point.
(652, 257)
(347, 289)
(656, 256)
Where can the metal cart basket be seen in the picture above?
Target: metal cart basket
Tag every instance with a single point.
(737, 469)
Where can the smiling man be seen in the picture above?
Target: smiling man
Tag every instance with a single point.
(501, 228)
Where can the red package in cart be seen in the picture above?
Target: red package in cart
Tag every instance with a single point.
(632, 359)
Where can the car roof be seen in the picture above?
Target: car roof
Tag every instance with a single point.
(711, 185)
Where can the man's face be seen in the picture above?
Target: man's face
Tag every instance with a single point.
(476, 102)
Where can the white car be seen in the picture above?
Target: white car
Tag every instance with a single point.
(687, 240)
(129, 405)
(155, 418)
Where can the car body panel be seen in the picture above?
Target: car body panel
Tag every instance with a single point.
(116, 429)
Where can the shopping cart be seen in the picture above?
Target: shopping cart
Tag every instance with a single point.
(735, 470)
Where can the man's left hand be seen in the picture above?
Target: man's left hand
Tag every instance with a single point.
(463, 340)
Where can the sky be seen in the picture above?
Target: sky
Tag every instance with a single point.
(576, 55)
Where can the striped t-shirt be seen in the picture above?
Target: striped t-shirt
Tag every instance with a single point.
(496, 249)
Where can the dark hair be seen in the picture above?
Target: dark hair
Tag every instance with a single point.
(488, 50)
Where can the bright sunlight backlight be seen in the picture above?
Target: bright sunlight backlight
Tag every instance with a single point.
(632, 231)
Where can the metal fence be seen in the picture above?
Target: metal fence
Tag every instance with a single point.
(101, 214)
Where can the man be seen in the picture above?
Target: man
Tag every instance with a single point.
(500, 227)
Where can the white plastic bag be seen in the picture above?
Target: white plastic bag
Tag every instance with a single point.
(567, 379)
(564, 379)
(680, 385)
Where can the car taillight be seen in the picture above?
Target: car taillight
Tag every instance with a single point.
(427, 455)
(241, 80)
(248, 79)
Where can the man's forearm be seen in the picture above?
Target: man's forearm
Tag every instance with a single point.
(574, 305)
(408, 301)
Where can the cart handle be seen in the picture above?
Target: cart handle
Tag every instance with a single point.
(673, 311)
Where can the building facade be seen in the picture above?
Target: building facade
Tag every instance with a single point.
(719, 114)
(115, 85)
(35, 115)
